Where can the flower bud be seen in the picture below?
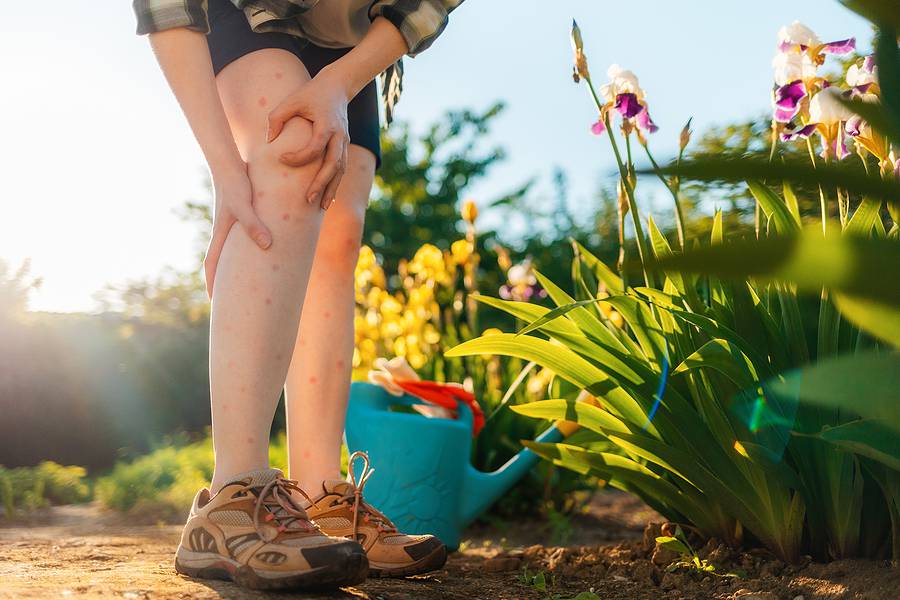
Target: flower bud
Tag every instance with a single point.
(581, 68)
(686, 134)
(469, 211)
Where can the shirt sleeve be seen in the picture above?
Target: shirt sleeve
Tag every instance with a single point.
(158, 15)
(419, 21)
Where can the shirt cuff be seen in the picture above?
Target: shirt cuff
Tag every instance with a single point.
(419, 25)
(159, 15)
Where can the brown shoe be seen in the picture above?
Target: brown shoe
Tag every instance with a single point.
(254, 533)
(341, 511)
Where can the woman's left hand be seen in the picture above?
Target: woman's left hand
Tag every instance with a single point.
(323, 101)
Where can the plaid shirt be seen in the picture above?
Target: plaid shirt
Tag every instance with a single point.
(419, 21)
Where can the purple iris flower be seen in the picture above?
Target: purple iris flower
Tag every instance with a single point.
(628, 105)
(645, 122)
(854, 126)
(840, 47)
(787, 101)
(794, 133)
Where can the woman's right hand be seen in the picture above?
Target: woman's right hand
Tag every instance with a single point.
(233, 204)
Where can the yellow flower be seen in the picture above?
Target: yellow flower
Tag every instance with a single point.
(616, 319)
(491, 331)
(469, 211)
(462, 251)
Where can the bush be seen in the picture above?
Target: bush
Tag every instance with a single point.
(28, 488)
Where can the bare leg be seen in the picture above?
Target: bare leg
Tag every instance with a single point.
(258, 294)
(318, 381)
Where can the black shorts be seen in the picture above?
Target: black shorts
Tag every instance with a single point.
(230, 38)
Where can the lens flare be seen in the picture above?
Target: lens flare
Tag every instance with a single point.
(663, 380)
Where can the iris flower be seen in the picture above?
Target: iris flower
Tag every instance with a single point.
(800, 52)
(624, 94)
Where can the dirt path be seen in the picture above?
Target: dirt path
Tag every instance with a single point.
(84, 552)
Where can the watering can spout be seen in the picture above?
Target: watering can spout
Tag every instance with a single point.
(480, 489)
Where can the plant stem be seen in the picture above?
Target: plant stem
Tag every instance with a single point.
(823, 203)
(679, 215)
(629, 191)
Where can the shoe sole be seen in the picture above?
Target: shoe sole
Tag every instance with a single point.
(430, 562)
(206, 565)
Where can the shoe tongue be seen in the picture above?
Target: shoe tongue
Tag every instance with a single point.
(257, 478)
(337, 486)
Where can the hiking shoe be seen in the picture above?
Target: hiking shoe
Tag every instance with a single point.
(254, 533)
(341, 511)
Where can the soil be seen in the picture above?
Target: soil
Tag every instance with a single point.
(86, 552)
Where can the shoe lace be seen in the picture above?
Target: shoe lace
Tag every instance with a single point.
(281, 507)
(369, 513)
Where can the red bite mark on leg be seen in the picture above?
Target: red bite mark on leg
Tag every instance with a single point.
(262, 101)
(326, 315)
(279, 356)
(286, 217)
(268, 301)
(313, 379)
(278, 75)
(260, 194)
(284, 174)
(276, 266)
(339, 364)
(243, 388)
(250, 439)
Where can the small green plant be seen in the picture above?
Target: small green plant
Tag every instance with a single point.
(689, 558)
(536, 581)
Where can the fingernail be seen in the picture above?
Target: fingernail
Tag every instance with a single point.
(269, 134)
(264, 241)
(312, 197)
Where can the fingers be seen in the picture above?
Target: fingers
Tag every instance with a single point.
(221, 227)
(278, 117)
(331, 189)
(313, 149)
(332, 167)
(252, 224)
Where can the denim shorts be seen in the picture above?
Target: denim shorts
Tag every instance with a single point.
(230, 38)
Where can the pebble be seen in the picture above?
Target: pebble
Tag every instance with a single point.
(500, 564)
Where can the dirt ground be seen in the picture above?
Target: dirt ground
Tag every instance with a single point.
(85, 552)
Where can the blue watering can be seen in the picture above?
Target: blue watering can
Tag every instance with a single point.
(425, 482)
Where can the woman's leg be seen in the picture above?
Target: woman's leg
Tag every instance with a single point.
(258, 294)
(318, 381)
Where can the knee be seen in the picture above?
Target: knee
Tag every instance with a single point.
(339, 244)
(269, 174)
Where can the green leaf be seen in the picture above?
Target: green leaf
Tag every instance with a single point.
(878, 319)
(790, 200)
(878, 11)
(613, 282)
(562, 361)
(586, 415)
(557, 312)
(868, 437)
(865, 384)
(738, 169)
(717, 235)
(674, 544)
(774, 207)
(725, 357)
(864, 217)
(866, 268)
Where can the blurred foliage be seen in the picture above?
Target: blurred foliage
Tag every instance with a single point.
(28, 488)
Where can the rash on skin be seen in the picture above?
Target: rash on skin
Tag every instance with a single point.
(339, 364)
(284, 174)
(313, 379)
(326, 314)
(286, 217)
(250, 439)
(262, 101)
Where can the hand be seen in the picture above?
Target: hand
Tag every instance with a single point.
(323, 101)
(233, 204)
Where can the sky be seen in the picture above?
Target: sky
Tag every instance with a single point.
(96, 157)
